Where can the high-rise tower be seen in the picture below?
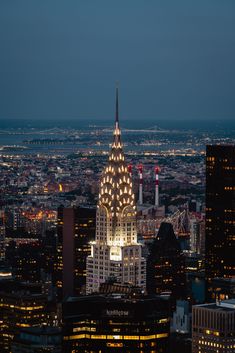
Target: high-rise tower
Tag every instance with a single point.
(116, 252)
(75, 229)
(165, 266)
(220, 215)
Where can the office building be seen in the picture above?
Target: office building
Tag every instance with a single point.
(25, 259)
(21, 305)
(76, 229)
(220, 214)
(213, 327)
(49, 252)
(116, 323)
(223, 288)
(166, 265)
(115, 252)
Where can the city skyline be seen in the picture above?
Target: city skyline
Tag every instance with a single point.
(117, 237)
(143, 276)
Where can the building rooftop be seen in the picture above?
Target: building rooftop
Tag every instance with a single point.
(225, 305)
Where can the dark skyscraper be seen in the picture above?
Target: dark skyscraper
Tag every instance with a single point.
(21, 305)
(220, 214)
(76, 228)
(25, 260)
(165, 265)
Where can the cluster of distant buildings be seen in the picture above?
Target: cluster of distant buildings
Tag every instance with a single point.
(123, 276)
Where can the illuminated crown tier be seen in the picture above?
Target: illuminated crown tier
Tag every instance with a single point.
(116, 197)
(116, 186)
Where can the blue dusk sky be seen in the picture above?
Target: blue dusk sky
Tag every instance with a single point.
(173, 59)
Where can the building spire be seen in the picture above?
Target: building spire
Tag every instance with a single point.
(117, 107)
(117, 138)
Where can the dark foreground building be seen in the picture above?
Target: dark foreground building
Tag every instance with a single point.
(109, 323)
(165, 265)
(220, 215)
(21, 305)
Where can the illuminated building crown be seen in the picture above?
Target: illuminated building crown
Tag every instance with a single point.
(116, 252)
(116, 194)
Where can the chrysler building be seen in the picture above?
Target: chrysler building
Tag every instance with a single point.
(115, 253)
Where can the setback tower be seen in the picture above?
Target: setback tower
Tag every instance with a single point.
(115, 253)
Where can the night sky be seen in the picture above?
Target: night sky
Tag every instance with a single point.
(173, 59)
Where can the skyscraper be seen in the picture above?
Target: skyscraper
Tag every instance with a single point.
(21, 305)
(115, 252)
(166, 265)
(76, 228)
(220, 214)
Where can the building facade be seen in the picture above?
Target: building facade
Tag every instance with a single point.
(76, 229)
(105, 323)
(220, 214)
(21, 305)
(25, 260)
(223, 287)
(166, 265)
(213, 327)
(115, 252)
